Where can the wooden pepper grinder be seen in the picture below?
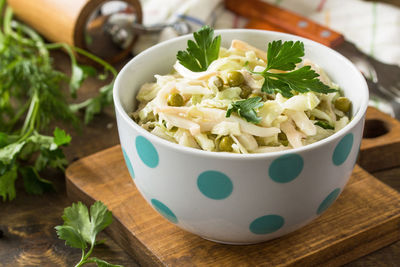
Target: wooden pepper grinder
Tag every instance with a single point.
(99, 26)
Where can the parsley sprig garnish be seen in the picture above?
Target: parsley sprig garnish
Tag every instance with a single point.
(284, 57)
(199, 55)
(80, 229)
(245, 109)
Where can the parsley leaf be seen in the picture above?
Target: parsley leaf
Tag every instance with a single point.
(71, 236)
(7, 180)
(60, 137)
(8, 153)
(199, 55)
(245, 109)
(285, 56)
(301, 80)
(81, 228)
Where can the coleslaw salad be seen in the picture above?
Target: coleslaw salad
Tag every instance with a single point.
(201, 121)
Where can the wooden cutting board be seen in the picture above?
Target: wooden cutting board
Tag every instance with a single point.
(365, 218)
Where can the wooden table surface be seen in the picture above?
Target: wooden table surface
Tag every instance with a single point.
(27, 235)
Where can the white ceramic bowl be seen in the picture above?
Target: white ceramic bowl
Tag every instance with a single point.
(233, 198)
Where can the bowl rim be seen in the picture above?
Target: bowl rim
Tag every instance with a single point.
(227, 155)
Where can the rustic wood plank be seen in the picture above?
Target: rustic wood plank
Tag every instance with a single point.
(28, 229)
(363, 219)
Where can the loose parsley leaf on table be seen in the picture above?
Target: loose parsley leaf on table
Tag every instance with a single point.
(81, 228)
(199, 55)
(245, 109)
(284, 56)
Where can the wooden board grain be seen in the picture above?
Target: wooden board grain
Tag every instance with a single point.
(364, 218)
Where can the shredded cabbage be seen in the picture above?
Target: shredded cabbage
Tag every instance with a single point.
(201, 121)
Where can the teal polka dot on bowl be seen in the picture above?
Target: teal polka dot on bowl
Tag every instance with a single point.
(342, 149)
(147, 152)
(267, 224)
(214, 184)
(128, 164)
(328, 201)
(164, 210)
(286, 168)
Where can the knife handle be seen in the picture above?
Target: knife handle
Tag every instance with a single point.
(285, 20)
(263, 25)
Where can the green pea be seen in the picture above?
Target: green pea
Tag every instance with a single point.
(235, 78)
(226, 144)
(175, 100)
(285, 142)
(218, 82)
(283, 139)
(246, 91)
(282, 136)
(343, 104)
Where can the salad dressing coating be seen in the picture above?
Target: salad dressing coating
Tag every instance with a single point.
(198, 117)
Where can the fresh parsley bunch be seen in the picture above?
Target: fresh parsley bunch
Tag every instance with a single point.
(80, 229)
(31, 98)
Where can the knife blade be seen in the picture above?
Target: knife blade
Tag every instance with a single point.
(265, 16)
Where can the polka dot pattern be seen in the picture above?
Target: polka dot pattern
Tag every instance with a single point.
(286, 168)
(207, 186)
(342, 149)
(267, 224)
(328, 201)
(164, 210)
(214, 184)
(128, 164)
(147, 152)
